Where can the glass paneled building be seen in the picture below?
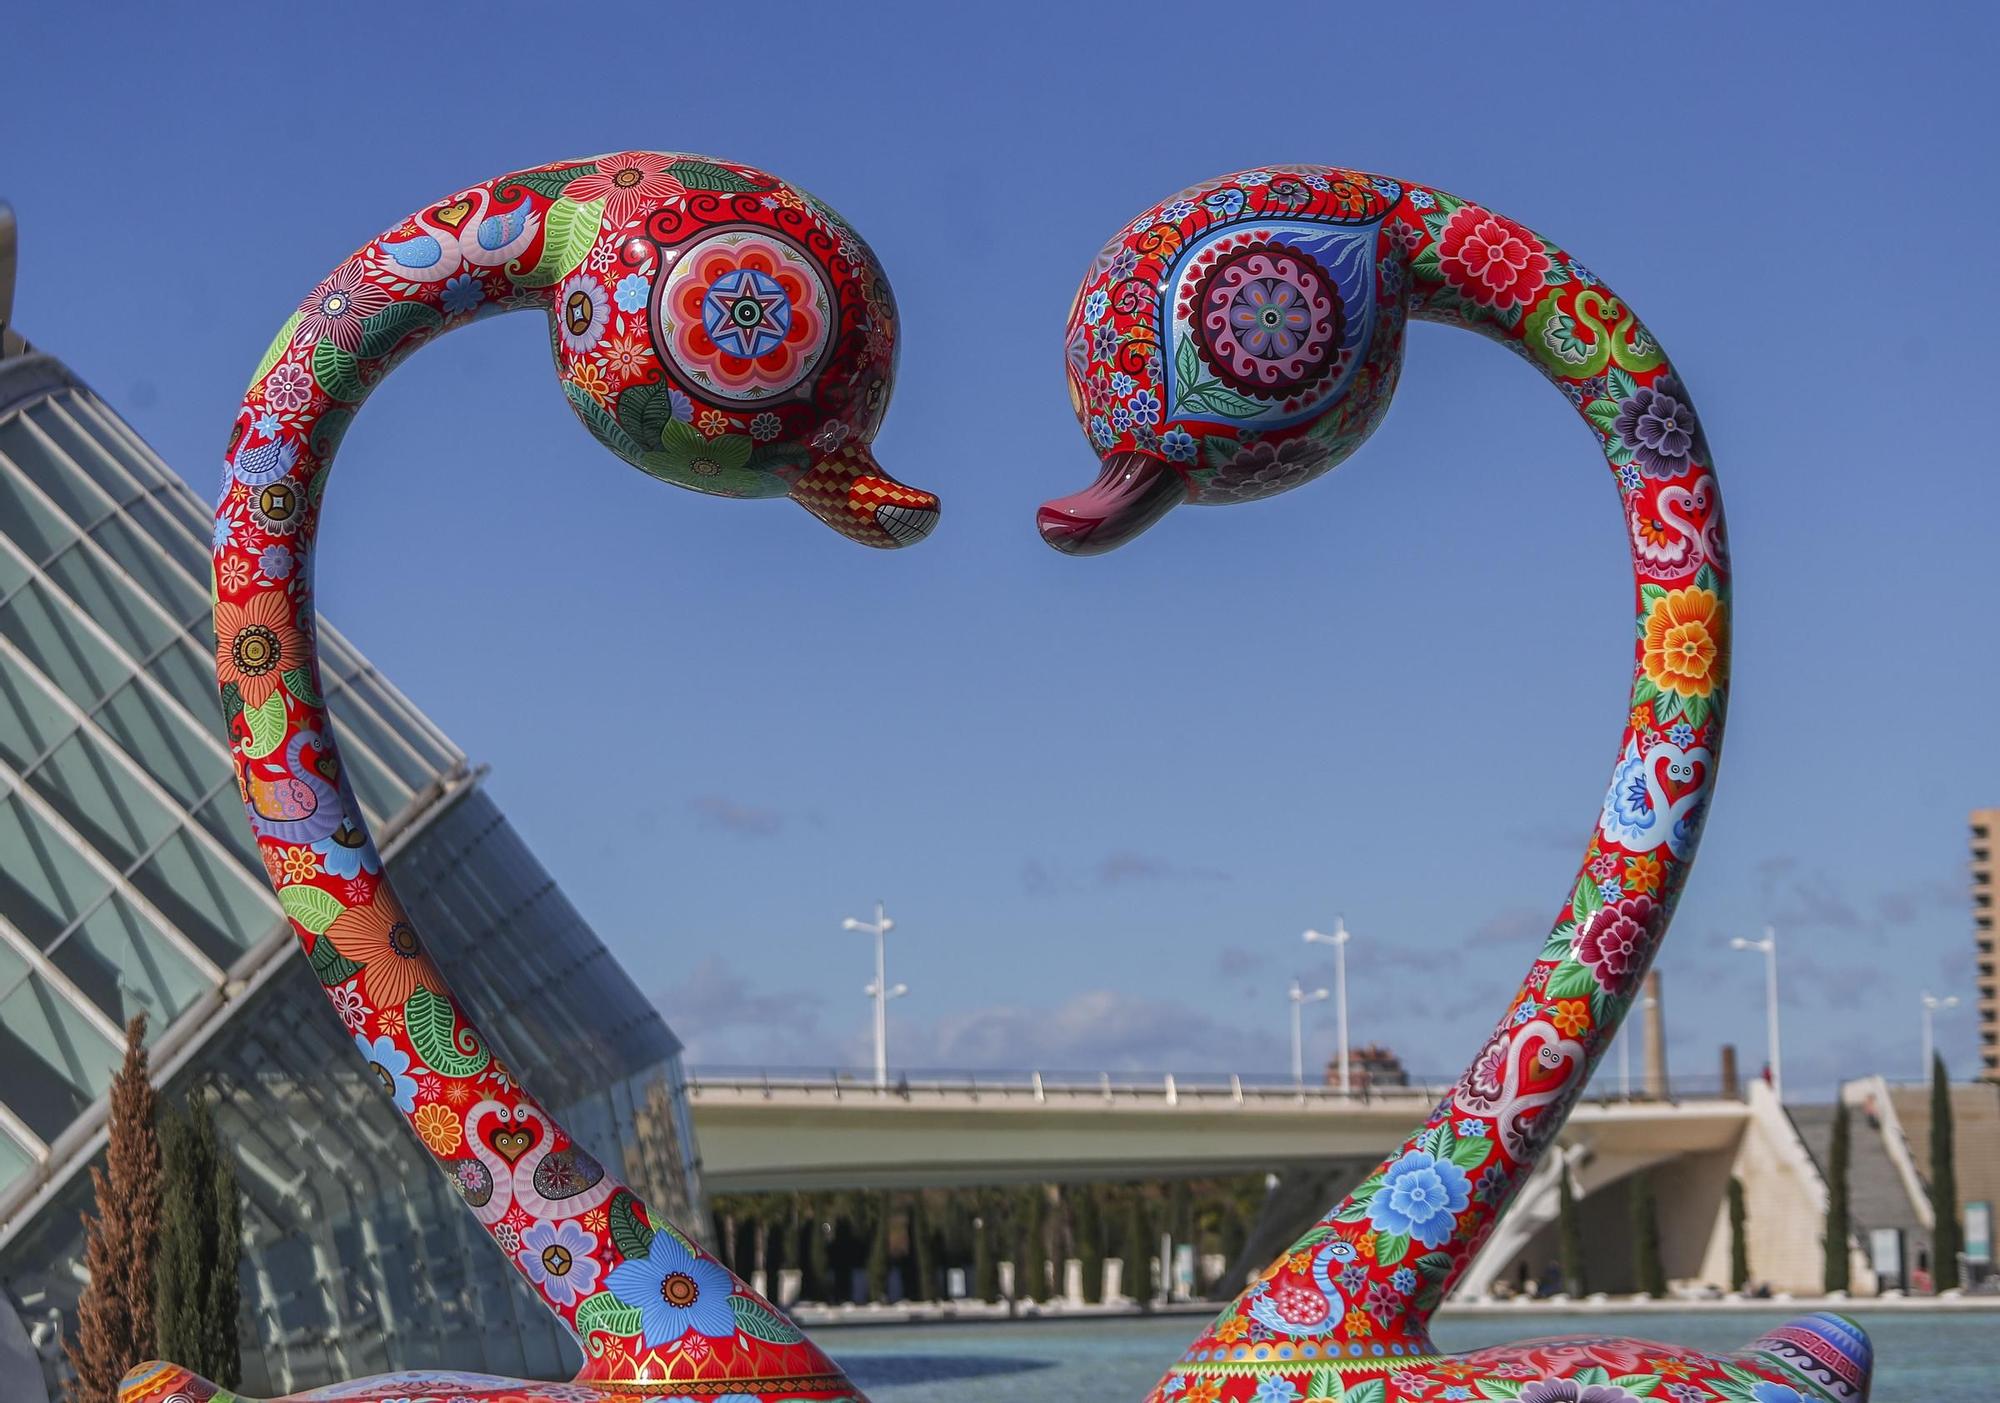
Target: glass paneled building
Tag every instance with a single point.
(129, 884)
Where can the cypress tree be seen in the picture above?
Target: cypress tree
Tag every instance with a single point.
(1945, 1240)
(1647, 1267)
(1739, 1239)
(1836, 1203)
(1089, 1229)
(818, 1258)
(1569, 1237)
(1137, 1253)
(985, 1271)
(1032, 1270)
(878, 1252)
(114, 1328)
(200, 1249)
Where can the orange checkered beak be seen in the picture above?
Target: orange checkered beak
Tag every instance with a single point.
(848, 490)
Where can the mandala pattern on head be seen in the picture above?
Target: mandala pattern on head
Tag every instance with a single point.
(744, 315)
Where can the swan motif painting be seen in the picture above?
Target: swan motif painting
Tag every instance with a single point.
(716, 328)
(1239, 340)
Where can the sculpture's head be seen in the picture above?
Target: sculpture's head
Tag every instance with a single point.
(730, 333)
(1232, 342)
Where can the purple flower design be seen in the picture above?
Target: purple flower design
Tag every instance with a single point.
(1264, 468)
(557, 1257)
(1383, 1303)
(1569, 1391)
(335, 310)
(1657, 423)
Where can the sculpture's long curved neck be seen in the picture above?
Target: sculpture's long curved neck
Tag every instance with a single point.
(566, 1223)
(1393, 1247)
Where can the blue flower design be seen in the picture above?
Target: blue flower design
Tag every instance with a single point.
(682, 406)
(1104, 342)
(1124, 265)
(674, 1292)
(1121, 383)
(1178, 210)
(1121, 417)
(347, 859)
(1403, 1279)
(224, 532)
(1423, 199)
(1254, 178)
(392, 1065)
(631, 294)
(1629, 478)
(1472, 1129)
(1146, 438)
(1095, 306)
(276, 562)
(1352, 1278)
(1385, 185)
(1100, 432)
(1776, 1393)
(1682, 734)
(1146, 406)
(1178, 445)
(1610, 889)
(463, 293)
(1492, 1184)
(1226, 203)
(1419, 1197)
(1528, 1009)
(266, 424)
(1276, 1390)
(1456, 1391)
(1319, 182)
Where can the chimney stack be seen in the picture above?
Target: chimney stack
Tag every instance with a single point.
(1656, 1038)
(1732, 1089)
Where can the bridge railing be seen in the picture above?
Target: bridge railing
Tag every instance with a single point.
(1206, 1089)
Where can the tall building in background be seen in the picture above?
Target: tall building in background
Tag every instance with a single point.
(1985, 824)
(129, 884)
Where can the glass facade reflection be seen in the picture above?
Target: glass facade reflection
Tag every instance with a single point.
(129, 884)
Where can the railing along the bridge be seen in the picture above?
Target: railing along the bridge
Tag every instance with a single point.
(1197, 1089)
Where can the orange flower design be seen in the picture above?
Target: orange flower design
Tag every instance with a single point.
(439, 1129)
(1570, 1017)
(1683, 642)
(300, 865)
(1359, 1326)
(1203, 1390)
(1233, 1329)
(1643, 873)
(254, 643)
(380, 938)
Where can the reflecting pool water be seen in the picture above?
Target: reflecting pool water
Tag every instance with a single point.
(1920, 1357)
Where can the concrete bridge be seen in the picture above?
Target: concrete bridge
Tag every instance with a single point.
(764, 1131)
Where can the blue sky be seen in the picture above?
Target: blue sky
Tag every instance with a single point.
(1103, 797)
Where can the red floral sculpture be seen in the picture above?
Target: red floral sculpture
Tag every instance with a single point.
(715, 327)
(1241, 339)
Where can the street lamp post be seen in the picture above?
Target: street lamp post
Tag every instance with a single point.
(1932, 1003)
(881, 990)
(1338, 940)
(1768, 947)
(1300, 998)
